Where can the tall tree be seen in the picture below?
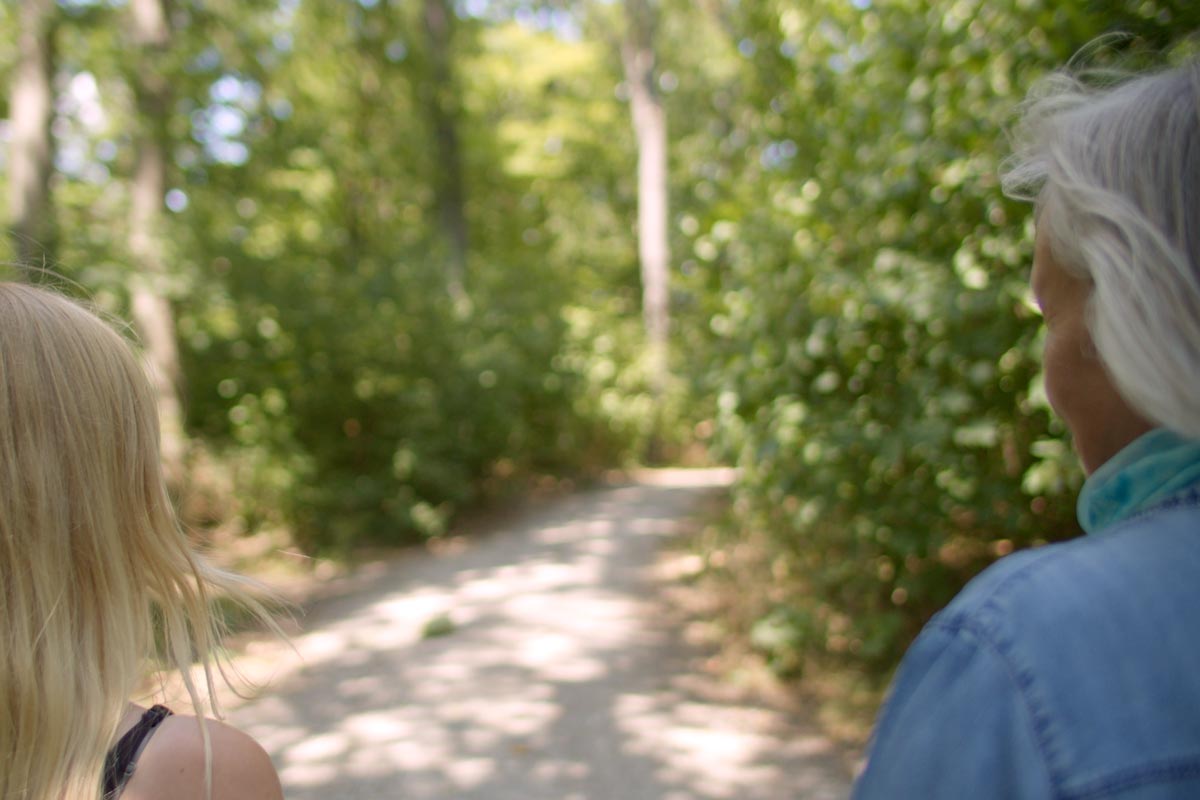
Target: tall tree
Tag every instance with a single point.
(151, 34)
(650, 127)
(32, 150)
(441, 106)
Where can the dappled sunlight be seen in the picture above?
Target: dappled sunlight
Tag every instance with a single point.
(721, 747)
(545, 683)
(576, 532)
(715, 478)
(655, 527)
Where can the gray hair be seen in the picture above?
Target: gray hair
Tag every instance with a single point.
(1115, 171)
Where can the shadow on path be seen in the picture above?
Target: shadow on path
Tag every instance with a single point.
(564, 677)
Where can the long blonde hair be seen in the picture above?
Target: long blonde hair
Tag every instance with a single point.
(92, 557)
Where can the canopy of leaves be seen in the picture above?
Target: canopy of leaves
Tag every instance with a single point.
(851, 325)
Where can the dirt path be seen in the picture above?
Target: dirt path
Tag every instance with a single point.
(564, 676)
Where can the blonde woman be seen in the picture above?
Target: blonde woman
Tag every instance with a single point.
(91, 554)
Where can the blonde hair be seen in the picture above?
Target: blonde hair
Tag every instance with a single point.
(1114, 164)
(93, 561)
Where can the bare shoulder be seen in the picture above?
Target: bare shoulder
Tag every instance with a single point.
(172, 765)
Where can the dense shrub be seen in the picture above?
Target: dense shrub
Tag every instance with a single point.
(879, 385)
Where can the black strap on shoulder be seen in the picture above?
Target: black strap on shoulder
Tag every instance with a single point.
(122, 758)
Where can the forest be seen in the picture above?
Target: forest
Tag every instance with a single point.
(394, 260)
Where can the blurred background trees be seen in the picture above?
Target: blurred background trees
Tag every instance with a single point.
(30, 143)
(394, 257)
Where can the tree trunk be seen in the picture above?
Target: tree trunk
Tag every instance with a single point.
(440, 103)
(31, 155)
(151, 310)
(650, 128)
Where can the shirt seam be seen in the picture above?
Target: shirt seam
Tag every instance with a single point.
(1021, 682)
(975, 623)
(1166, 771)
(1186, 498)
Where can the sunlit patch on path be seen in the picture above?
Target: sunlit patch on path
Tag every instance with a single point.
(560, 677)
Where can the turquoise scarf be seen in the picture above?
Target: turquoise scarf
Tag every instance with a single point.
(1146, 472)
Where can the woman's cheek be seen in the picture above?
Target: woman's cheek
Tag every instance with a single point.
(1058, 367)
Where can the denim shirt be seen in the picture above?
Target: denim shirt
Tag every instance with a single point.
(1070, 671)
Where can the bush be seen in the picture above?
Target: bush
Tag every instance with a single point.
(879, 381)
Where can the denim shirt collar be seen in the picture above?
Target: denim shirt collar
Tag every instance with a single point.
(1147, 472)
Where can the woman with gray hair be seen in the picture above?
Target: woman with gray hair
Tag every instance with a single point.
(1073, 671)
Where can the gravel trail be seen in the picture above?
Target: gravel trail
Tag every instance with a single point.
(564, 676)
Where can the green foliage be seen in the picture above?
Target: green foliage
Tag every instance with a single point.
(851, 322)
(879, 380)
(785, 636)
(341, 348)
(438, 626)
(328, 370)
